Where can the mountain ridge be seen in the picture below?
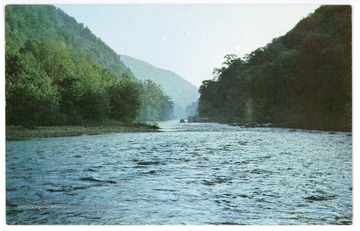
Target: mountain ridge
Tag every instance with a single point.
(169, 80)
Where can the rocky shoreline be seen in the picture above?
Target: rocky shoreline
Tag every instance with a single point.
(22, 133)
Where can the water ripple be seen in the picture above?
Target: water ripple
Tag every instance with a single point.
(188, 174)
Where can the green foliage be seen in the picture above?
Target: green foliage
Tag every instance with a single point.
(58, 72)
(46, 22)
(156, 106)
(302, 79)
(30, 96)
(181, 92)
(48, 83)
(125, 100)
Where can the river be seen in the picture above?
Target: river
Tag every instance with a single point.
(190, 173)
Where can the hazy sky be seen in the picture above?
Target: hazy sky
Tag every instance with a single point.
(188, 39)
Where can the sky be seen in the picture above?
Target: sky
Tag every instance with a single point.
(190, 40)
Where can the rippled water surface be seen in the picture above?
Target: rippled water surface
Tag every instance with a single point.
(187, 174)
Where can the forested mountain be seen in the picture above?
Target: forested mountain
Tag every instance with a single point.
(302, 79)
(46, 22)
(181, 91)
(58, 72)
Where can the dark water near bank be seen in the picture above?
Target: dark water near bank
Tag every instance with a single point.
(188, 174)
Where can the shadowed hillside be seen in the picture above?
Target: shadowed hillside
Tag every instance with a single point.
(302, 79)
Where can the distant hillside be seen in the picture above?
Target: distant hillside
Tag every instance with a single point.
(181, 91)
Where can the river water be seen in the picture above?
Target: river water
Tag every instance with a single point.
(187, 174)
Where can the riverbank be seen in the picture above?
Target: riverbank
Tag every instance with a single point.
(22, 133)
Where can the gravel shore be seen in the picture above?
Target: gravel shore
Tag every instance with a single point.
(21, 133)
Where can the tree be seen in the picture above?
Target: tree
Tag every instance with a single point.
(155, 104)
(125, 100)
(30, 97)
(302, 79)
(58, 72)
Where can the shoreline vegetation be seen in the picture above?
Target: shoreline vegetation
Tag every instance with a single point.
(59, 73)
(25, 133)
(302, 79)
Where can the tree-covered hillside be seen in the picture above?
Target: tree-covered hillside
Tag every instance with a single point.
(181, 91)
(46, 22)
(302, 79)
(58, 72)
